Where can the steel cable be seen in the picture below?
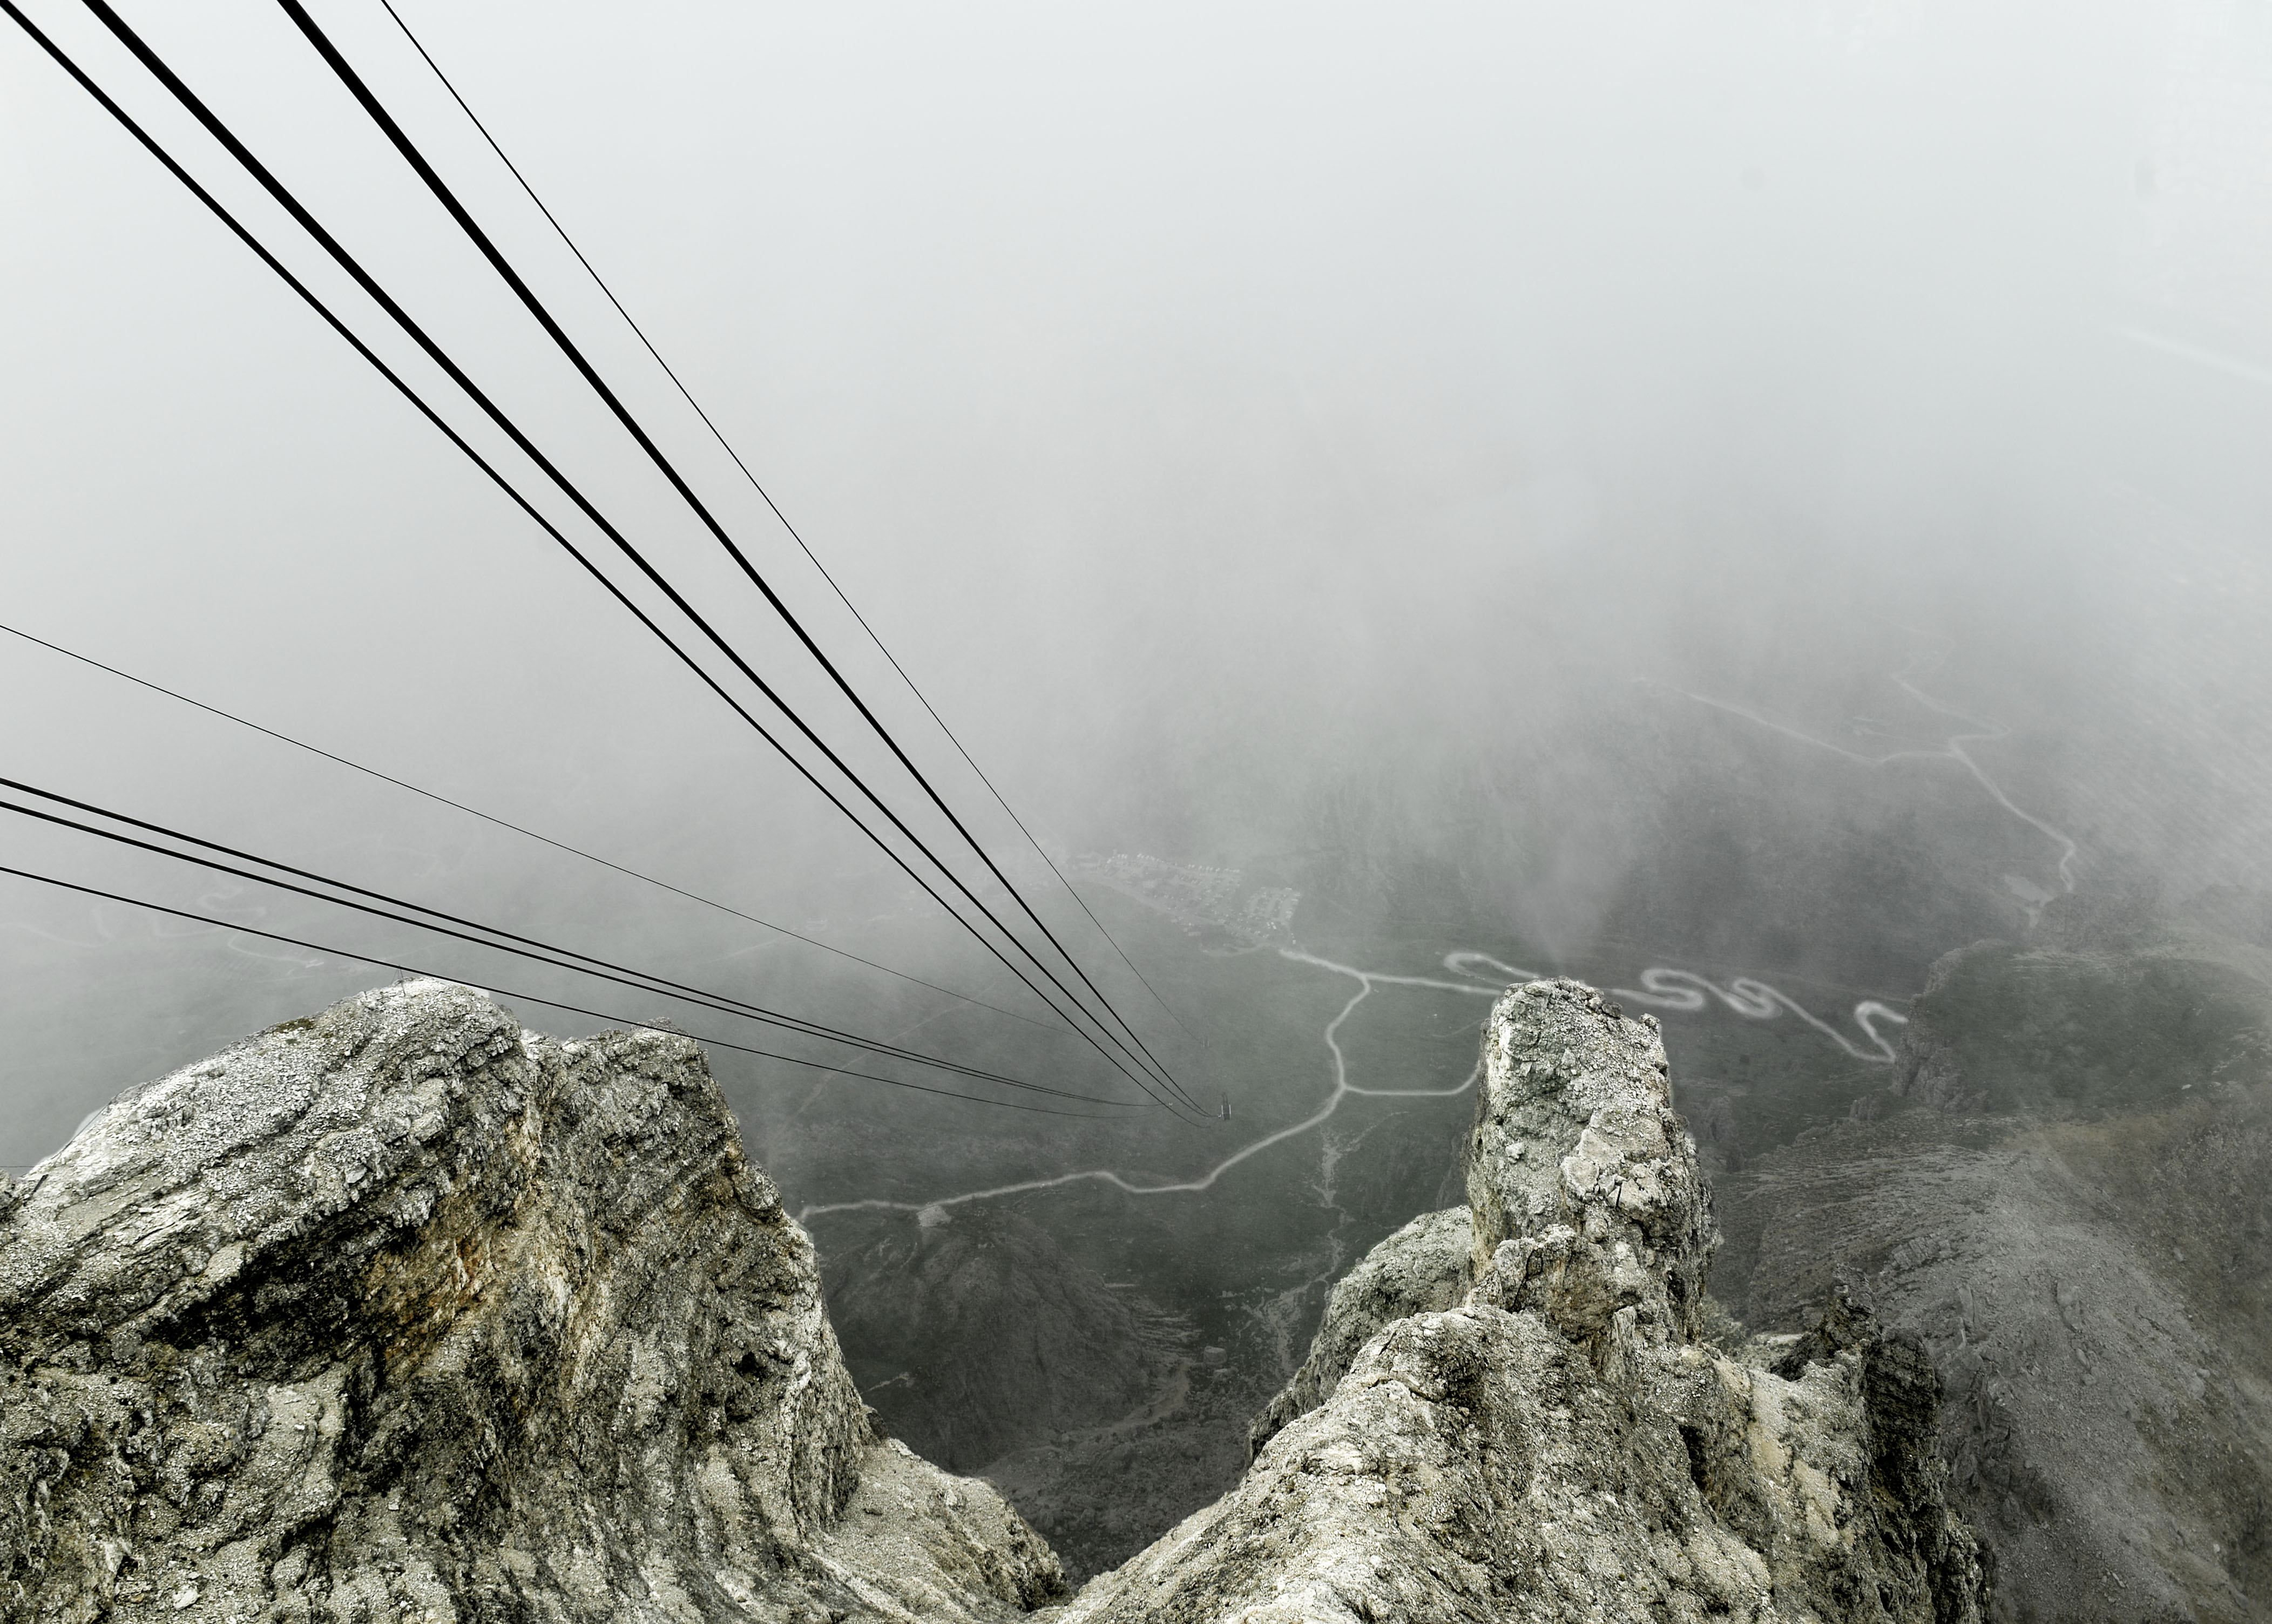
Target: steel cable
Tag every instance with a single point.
(726, 446)
(527, 997)
(411, 155)
(386, 303)
(639, 980)
(474, 811)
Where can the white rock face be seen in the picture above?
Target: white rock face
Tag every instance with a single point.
(404, 1313)
(1578, 1158)
(1560, 1446)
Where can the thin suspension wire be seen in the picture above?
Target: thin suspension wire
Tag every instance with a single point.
(449, 432)
(525, 997)
(502, 823)
(345, 71)
(722, 1002)
(220, 131)
(637, 980)
(766, 497)
(308, 296)
(717, 1002)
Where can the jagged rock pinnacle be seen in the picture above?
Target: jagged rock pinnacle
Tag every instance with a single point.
(405, 1313)
(1586, 1195)
(1561, 1445)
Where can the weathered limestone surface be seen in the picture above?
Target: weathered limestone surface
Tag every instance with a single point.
(404, 1313)
(1578, 1158)
(1561, 1445)
(1425, 1265)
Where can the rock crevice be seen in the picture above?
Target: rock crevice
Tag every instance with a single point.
(405, 1312)
(1562, 1444)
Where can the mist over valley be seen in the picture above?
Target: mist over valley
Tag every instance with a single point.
(1757, 512)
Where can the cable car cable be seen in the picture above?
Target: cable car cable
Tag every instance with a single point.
(525, 997)
(411, 155)
(474, 811)
(220, 131)
(662, 984)
(198, 190)
(637, 980)
(724, 445)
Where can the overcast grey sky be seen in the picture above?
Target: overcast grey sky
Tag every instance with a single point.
(1198, 399)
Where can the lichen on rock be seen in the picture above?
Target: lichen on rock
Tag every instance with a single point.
(1427, 1264)
(1578, 1160)
(1563, 1445)
(406, 1313)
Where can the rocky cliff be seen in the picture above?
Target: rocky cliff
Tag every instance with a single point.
(405, 1312)
(1562, 1444)
(2063, 1197)
(1428, 1264)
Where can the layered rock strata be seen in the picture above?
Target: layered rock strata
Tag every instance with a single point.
(1561, 1445)
(405, 1313)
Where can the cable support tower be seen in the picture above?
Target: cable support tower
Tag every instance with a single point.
(765, 496)
(411, 328)
(529, 947)
(525, 997)
(474, 811)
(411, 155)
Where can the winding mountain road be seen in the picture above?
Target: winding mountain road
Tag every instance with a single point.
(1665, 987)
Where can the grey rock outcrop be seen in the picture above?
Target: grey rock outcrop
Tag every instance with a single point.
(1580, 1162)
(404, 1313)
(1561, 1445)
(1428, 1264)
